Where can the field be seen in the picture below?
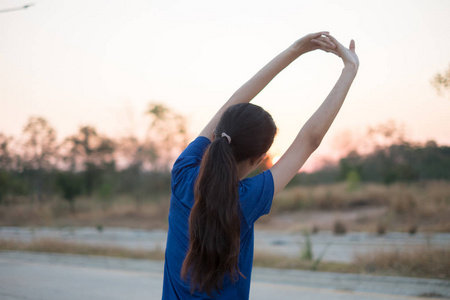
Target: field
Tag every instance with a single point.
(423, 206)
(378, 209)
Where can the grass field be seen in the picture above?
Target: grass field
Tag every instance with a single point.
(422, 206)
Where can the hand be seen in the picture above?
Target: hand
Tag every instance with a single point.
(314, 41)
(348, 56)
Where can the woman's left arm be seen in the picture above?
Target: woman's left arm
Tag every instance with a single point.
(260, 80)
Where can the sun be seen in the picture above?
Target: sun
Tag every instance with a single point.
(275, 159)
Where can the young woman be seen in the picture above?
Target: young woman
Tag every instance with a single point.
(209, 251)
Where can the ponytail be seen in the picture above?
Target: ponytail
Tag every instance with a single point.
(245, 131)
(214, 222)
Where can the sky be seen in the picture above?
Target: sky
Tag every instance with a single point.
(102, 62)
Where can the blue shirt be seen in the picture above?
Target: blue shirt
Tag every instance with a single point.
(255, 196)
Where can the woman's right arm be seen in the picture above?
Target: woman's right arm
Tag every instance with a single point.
(312, 133)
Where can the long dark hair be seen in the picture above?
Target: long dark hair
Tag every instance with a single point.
(214, 222)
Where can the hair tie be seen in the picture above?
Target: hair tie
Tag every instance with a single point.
(227, 136)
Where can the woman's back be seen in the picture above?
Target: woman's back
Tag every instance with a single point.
(255, 195)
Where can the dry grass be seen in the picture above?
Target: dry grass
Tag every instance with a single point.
(400, 197)
(330, 197)
(422, 262)
(422, 206)
(121, 212)
(58, 246)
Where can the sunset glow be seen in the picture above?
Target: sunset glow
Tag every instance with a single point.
(101, 63)
(275, 159)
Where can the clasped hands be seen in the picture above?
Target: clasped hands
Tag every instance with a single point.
(324, 41)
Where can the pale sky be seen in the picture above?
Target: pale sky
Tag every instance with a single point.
(101, 62)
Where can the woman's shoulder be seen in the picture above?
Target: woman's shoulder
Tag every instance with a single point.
(193, 152)
(185, 168)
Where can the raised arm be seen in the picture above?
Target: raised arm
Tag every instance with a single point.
(259, 81)
(312, 133)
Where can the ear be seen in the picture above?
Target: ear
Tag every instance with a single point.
(257, 160)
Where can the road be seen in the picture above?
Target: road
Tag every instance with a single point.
(33, 276)
(335, 248)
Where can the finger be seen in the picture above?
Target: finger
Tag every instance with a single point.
(317, 34)
(320, 43)
(327, 40)
(352, 46)
(323, 44)
(326, 48)
(333, 40)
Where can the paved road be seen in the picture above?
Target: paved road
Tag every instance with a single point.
(336, 248)
(34, 276)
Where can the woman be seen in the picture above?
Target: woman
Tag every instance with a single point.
(209, 251)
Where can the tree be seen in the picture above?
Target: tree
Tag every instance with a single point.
(40, 147)
(137, 154)
(89, 152)
(166, 135)
(69, 184)
(442, 81)
(40, 150)
(6, 157)
(385, 134)
(5, 166)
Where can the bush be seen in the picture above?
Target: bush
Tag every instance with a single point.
(307, 252)
(381, 228)
(339, 228)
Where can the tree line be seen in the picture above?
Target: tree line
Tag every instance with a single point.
(385, 156)
(38, 167)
